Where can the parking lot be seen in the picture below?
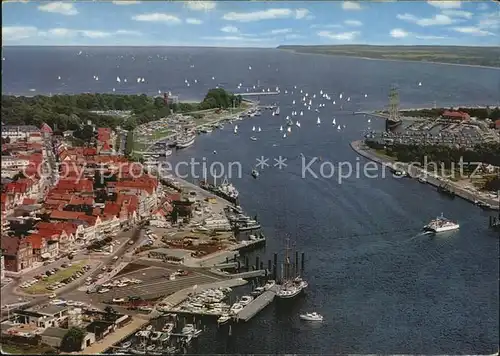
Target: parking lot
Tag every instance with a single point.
(55, 278)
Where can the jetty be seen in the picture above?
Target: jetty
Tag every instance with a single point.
(258, 93)
(451, 187)
(256, 305)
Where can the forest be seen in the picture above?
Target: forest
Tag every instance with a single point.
(71, 112)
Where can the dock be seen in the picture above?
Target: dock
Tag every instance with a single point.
(256, 305)
(258, 93)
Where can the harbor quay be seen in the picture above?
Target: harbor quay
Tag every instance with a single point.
(415, 172)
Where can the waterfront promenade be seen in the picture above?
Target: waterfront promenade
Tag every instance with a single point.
(458, 189)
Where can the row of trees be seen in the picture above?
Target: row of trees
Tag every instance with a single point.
(480, 113)
(486, 153)
(70, 112)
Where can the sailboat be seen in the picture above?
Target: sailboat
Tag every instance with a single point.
(338, 127)
(289, 129)
(284, 135)
(118, 79)
(290, 286)
(253, 128)
(236, 129)
(333, 122)
(281, 128)
(301, 113)
(349, 99)
(293, 102)
(318, 122)
(260, 130)
(297, 123)
(340, 96)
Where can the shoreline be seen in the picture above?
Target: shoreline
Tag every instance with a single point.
(359, 148)
(390, 60)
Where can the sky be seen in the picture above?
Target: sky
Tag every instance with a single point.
(250, 23)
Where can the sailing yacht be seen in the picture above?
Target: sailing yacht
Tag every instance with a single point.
(259, 129)
(281, 128)
(297, 123)
(318, 122)
(333, 122)
(301, 113)
(338, 127)
(289, 129)
(253, 129)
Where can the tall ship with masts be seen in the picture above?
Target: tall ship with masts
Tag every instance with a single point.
(394, 119)
(292, 283)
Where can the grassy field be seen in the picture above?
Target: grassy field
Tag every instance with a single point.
(482, 56)
(41, 286)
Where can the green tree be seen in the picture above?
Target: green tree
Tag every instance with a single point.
(73, 339)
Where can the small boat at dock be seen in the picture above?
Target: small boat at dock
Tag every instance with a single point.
(223, 319)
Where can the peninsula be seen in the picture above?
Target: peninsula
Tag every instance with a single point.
(462, 55)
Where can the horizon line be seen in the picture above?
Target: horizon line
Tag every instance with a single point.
(256, 47)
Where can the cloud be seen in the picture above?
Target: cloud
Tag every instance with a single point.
(343, 36)
(16, 33)
(59, 7)
(280, 31)
(326, 26)
(429, 37)
(200, 5)
(398, 33)
(269, 14)
(474, 31)
(353, 23)
(446, 4)
(457, 13)
(230, 29)
(490, 21)
(351, 5)
(301, 13)
(193, 21)
(482, 7)
(157, 17)
(231, 38)
(293, 36)
(437, 20)
(125, 2)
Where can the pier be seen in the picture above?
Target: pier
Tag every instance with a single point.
(256, 305)
(258, 93)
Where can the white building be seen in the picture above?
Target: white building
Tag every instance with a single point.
(11, 162)
(18, 132)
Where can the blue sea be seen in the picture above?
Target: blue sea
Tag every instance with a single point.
(381, 285)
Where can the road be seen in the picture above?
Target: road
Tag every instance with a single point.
(9, 295)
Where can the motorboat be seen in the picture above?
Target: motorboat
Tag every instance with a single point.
(156, 335)
(236, 308)
(253, 138)
(258, 291)
(188, 329)
(441, 224)
(223, 319)
(126, 345)
(269, 284)
(165, 337)
(422, 179)
(311, 316)
(168, 328)
(255, 173)
(288, 291)
(245, 300)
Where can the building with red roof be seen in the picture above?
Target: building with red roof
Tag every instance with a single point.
(17, 252)
(45, 129)
(456, 115)
(497, 124)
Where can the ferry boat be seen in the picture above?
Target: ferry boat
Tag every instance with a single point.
(186, 141)
(441, 224)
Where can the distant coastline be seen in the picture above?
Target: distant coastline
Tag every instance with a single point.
(321, 50)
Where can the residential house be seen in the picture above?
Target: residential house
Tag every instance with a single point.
(18, 132)
(40, 247)
(17, 252)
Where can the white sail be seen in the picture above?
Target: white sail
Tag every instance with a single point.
(340, 96)
(281, 128)
(333, 122)
(301, 113)
(318, 121)
(253, 128)
(338, 127)
(259, 129)
(118, 79)
(293, 102)
(289, 129)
